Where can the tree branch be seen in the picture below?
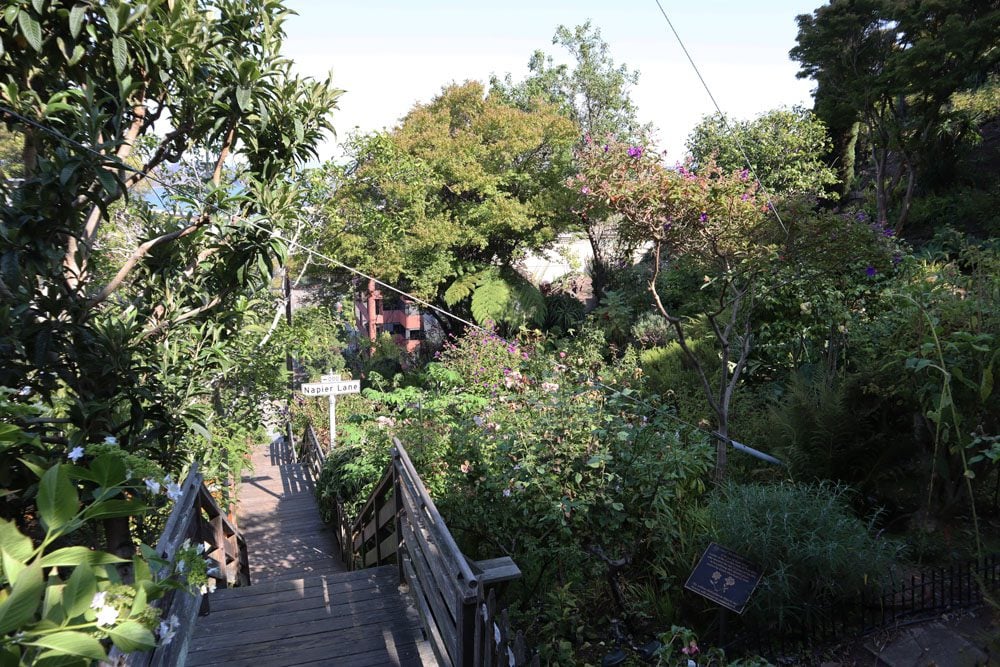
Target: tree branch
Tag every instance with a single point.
(141, 252)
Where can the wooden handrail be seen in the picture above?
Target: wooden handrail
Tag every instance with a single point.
(449, 542)
(198, 519)
(457, 598)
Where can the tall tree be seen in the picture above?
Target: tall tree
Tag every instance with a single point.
(785, 147)
(717, 223)
(114, 310)
(445, 203)
(890, 68)
(595, 92)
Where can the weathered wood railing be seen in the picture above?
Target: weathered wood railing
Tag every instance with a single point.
(457, 598)
(197, 518)
(310, 454)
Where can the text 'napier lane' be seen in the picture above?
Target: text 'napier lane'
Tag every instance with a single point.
(331, 388)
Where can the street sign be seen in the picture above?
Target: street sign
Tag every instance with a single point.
(331, 388)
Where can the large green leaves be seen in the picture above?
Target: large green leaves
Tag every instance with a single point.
(25, 595)
(58, 500)
(70, 643)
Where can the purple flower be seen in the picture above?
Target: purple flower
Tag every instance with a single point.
(744, 174)
(896, 259)
(870, 271)
(860, 216)
(605, 148)
(585, 190)
(703, 217)
(745, 197)
(635, 151)
(888, 233)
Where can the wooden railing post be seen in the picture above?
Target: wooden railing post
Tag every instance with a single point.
(397, 496)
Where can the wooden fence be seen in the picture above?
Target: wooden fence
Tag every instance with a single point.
(457, 598)
(196, 517)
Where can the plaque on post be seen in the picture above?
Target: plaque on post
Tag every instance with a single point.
(724, 577)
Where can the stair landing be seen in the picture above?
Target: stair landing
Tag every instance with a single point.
(303, 607)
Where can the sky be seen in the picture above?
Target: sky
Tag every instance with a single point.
(389, 55)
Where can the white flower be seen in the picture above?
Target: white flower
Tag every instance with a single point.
(173, 490)
(208, 587)
(107, 616)
(181, 565)
(550, 386)
(478, 421)
(75, 454)
(110, 440)
(24, 391)
(384, 421)
(506, 493)
(98, 601)
(152, 485)
(168, 629)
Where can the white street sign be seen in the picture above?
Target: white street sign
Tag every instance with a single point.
(331, 388)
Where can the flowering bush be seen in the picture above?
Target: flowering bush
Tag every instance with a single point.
(539, 460)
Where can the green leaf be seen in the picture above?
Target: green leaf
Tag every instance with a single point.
(132, 636)
(79, 592)
(119, 51)
(11, 566)
(69, 556)
(461, 288)
(31, 29)
(109, 470)
(243, 98)
(10, 656)
(20, 606)
(107, 509)
(57, 498)
(986, 386)
(39, 5)
(72, 643)
(14, 542)
(108, 181)
(76, 19)
(9, 433)
(52, 605)
(112, 15)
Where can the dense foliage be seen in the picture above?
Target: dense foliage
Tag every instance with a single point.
(133, 335)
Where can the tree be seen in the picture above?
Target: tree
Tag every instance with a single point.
(124, 318)
(594, 92)
(445, 203)
(785, 147)
(891, 67)
(714, 220)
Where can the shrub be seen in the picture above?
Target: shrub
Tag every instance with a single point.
(809, 544)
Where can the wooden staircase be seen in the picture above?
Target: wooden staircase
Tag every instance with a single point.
(304, 606)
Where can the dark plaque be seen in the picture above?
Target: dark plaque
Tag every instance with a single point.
(724, 577)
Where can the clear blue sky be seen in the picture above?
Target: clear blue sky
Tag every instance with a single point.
(389, 54)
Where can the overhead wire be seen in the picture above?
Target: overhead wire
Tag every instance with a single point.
(209, 206)
(723, 118)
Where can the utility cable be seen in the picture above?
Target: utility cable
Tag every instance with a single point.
(118, 163)
(723, 118)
